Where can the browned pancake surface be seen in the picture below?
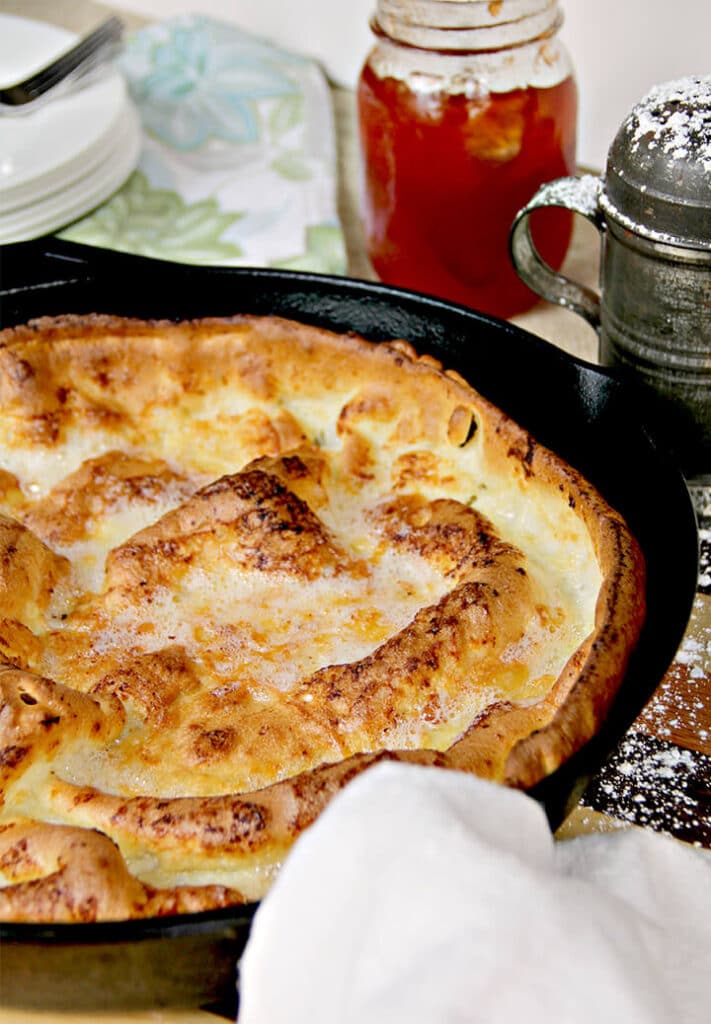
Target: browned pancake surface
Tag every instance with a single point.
(240, 561)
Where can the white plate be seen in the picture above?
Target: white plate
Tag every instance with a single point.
(58, 141)
(60, 208)
(37, 191)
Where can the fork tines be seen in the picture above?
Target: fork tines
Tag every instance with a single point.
(74, 63)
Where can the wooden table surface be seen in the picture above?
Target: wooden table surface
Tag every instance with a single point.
(660, 777)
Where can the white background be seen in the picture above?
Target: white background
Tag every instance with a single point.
(620, 48)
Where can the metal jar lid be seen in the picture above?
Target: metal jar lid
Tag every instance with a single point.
(467, 25)
(658, 176)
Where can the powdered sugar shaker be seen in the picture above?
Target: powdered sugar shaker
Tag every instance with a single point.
(653, 210)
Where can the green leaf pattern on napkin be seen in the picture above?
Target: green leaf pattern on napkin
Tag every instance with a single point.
(324, 252)
(292, 166)
(288, 113)
(157, 223)
(238, 162)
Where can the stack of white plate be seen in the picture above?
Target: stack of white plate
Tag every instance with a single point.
(71, 153)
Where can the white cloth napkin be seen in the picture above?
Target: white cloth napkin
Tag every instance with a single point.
(423, 895)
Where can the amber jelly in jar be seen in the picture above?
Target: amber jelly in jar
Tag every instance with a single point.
(465, 108)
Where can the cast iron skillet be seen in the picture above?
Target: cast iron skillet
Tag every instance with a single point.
(587, 415)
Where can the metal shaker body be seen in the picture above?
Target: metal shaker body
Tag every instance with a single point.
(655, 323)
(653, 211)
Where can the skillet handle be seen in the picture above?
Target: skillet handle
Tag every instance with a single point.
(581, 195)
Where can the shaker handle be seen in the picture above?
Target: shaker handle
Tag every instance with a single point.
(581, 195)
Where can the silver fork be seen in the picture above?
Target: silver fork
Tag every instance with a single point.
(63, 73)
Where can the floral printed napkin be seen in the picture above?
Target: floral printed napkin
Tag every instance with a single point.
(238, 164)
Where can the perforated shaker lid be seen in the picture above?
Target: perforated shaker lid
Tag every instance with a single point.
(658, 175)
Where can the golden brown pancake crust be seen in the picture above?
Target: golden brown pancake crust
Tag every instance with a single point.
(243, 559)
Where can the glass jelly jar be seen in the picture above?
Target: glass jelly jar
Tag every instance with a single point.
(465, 108)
